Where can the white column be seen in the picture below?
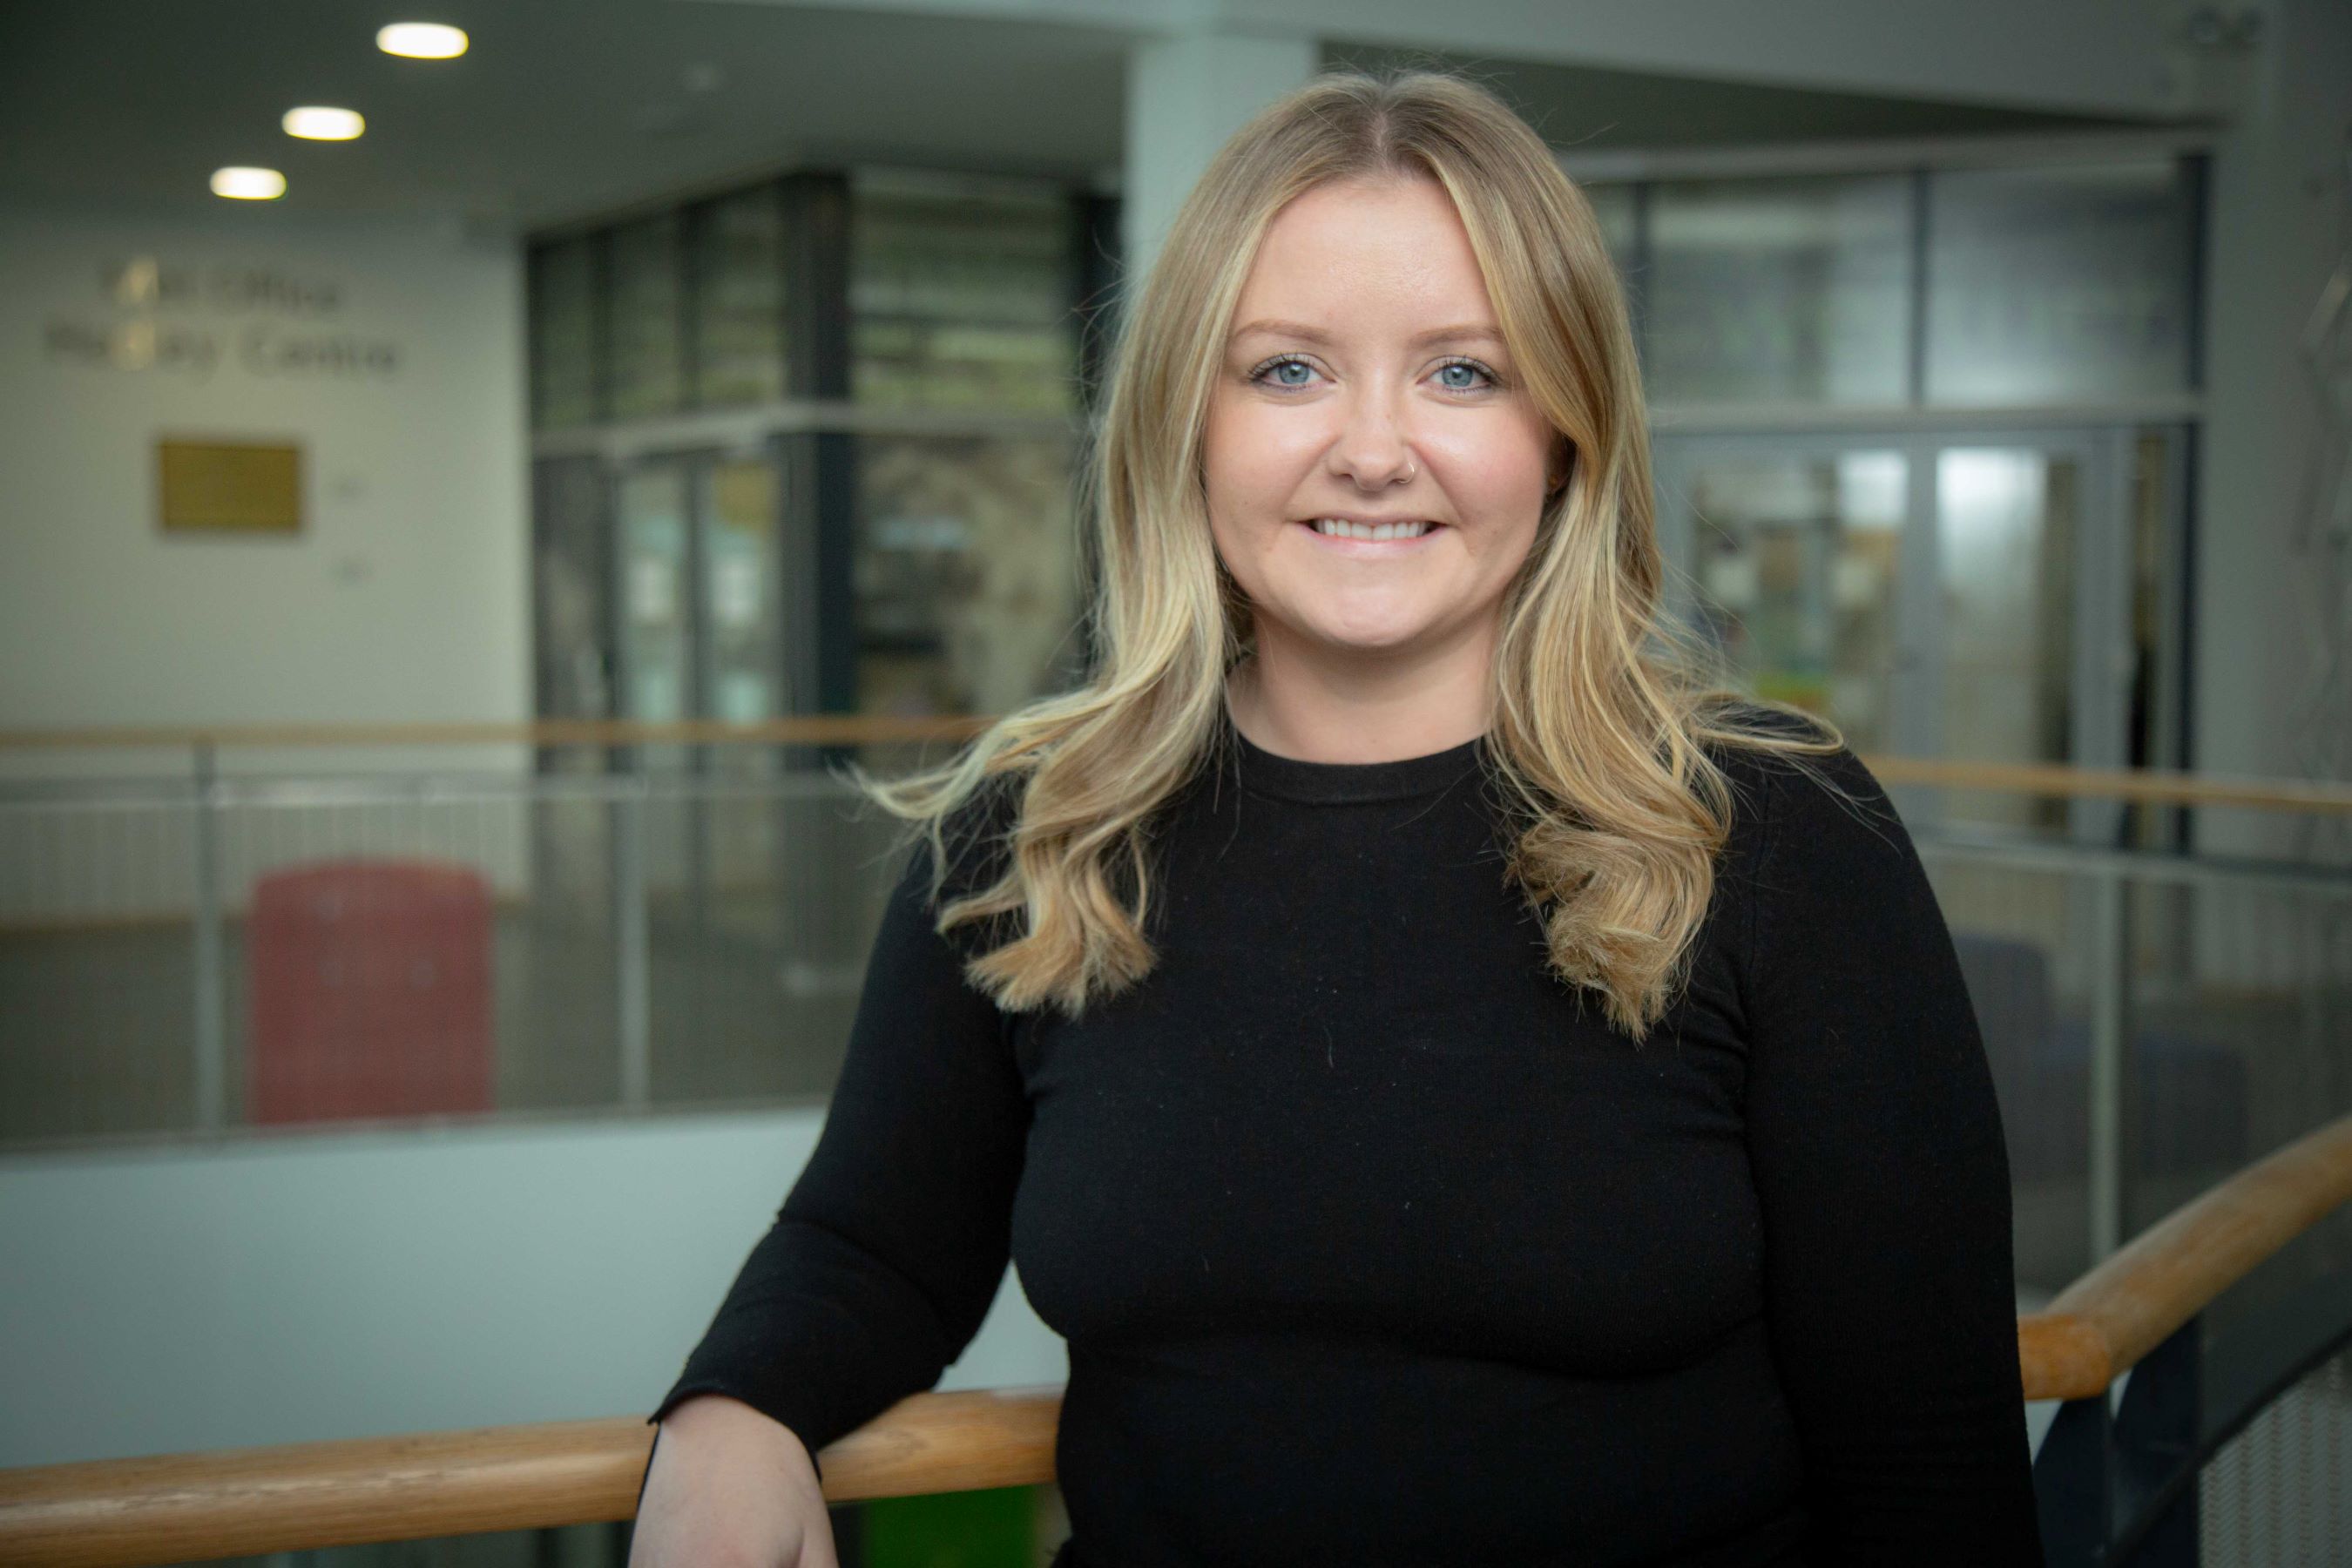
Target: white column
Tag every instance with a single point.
(2277, 229)
(1185, 95)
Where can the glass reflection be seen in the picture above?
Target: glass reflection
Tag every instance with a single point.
(564, 334)
(741, 618)
(1798, 562)
(739, 299)
(655, 647)
(2046, 285)
(649, 358)
(2005, 529)
(570, 566)
(1780, 289)
(961, 295)
(966, 573)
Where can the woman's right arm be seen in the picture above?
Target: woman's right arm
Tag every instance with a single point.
(878, 1270)
(728, 1488)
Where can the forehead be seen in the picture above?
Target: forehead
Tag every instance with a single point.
(1358, 252)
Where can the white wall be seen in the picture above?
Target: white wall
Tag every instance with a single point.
(405, 596)
(309, 1286)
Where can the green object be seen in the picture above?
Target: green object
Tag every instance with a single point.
(995, 1529)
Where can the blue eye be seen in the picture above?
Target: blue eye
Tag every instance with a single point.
(1280, 364)
(1270, 374)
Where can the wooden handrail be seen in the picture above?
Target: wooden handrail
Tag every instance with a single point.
(183, 1507)
(2148, 786)
(824, 730)
(2100, 1326)
(118, 1514)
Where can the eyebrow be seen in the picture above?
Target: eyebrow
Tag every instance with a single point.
(1461, 333)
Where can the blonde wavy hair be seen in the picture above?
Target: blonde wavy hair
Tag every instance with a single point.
(1616, 812)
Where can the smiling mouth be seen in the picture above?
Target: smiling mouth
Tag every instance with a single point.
(1383, 536)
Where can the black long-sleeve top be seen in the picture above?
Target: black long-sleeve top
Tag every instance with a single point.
(1372, 1244)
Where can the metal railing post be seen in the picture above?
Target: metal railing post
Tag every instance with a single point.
(211, 979)
(2156, 1429)
(2110, 973)
(632, 985)
(2074, 1484)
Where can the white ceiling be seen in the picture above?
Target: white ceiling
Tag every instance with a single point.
(565, 109)
(560, 108)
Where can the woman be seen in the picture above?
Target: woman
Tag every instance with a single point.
(1466, 1093)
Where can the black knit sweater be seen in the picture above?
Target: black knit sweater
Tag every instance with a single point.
(1374, 1244)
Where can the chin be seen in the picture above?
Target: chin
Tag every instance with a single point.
(1359, 637)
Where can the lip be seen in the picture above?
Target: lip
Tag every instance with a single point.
(1370, 546)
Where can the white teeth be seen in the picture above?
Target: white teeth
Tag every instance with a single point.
(1339, 529)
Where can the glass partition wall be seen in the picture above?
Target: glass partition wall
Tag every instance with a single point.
(1922, 433)
(831, 424)
(804, 447)
(1923, 440)
(1923, 437)
(1980, 595)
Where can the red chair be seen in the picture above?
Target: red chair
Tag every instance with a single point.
(369, 992)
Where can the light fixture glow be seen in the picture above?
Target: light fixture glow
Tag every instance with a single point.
(249, 184)
(314, 122)
(422, 41)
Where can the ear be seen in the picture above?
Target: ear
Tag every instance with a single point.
(1563, 464)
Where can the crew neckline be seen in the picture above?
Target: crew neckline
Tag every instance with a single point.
(1294, 778)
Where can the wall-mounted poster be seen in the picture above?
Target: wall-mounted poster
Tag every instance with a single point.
(236, 487)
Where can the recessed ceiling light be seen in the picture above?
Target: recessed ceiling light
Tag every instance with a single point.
(314, 122)
(422, 41)
(249, 184)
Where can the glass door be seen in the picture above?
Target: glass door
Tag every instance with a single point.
(738, 519)
(2027, 593)
(704, 572)
(659, 619)
(1980, 597)
(1797, 562)
(702, 633)
(744, 679)
(700, 594)
(652, 507)
(571, 614)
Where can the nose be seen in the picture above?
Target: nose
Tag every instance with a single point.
(1371, 448)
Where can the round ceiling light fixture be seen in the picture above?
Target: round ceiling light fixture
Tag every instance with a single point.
(421, 41)
(249, 184)
(316, 123)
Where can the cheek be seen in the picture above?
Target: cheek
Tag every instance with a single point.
(1226, 490)
(1513, 466)
(1246, 479)
(1510, 503)
(1222, 456)
(1501, 518)
(1250, 451)
(1518, 554)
